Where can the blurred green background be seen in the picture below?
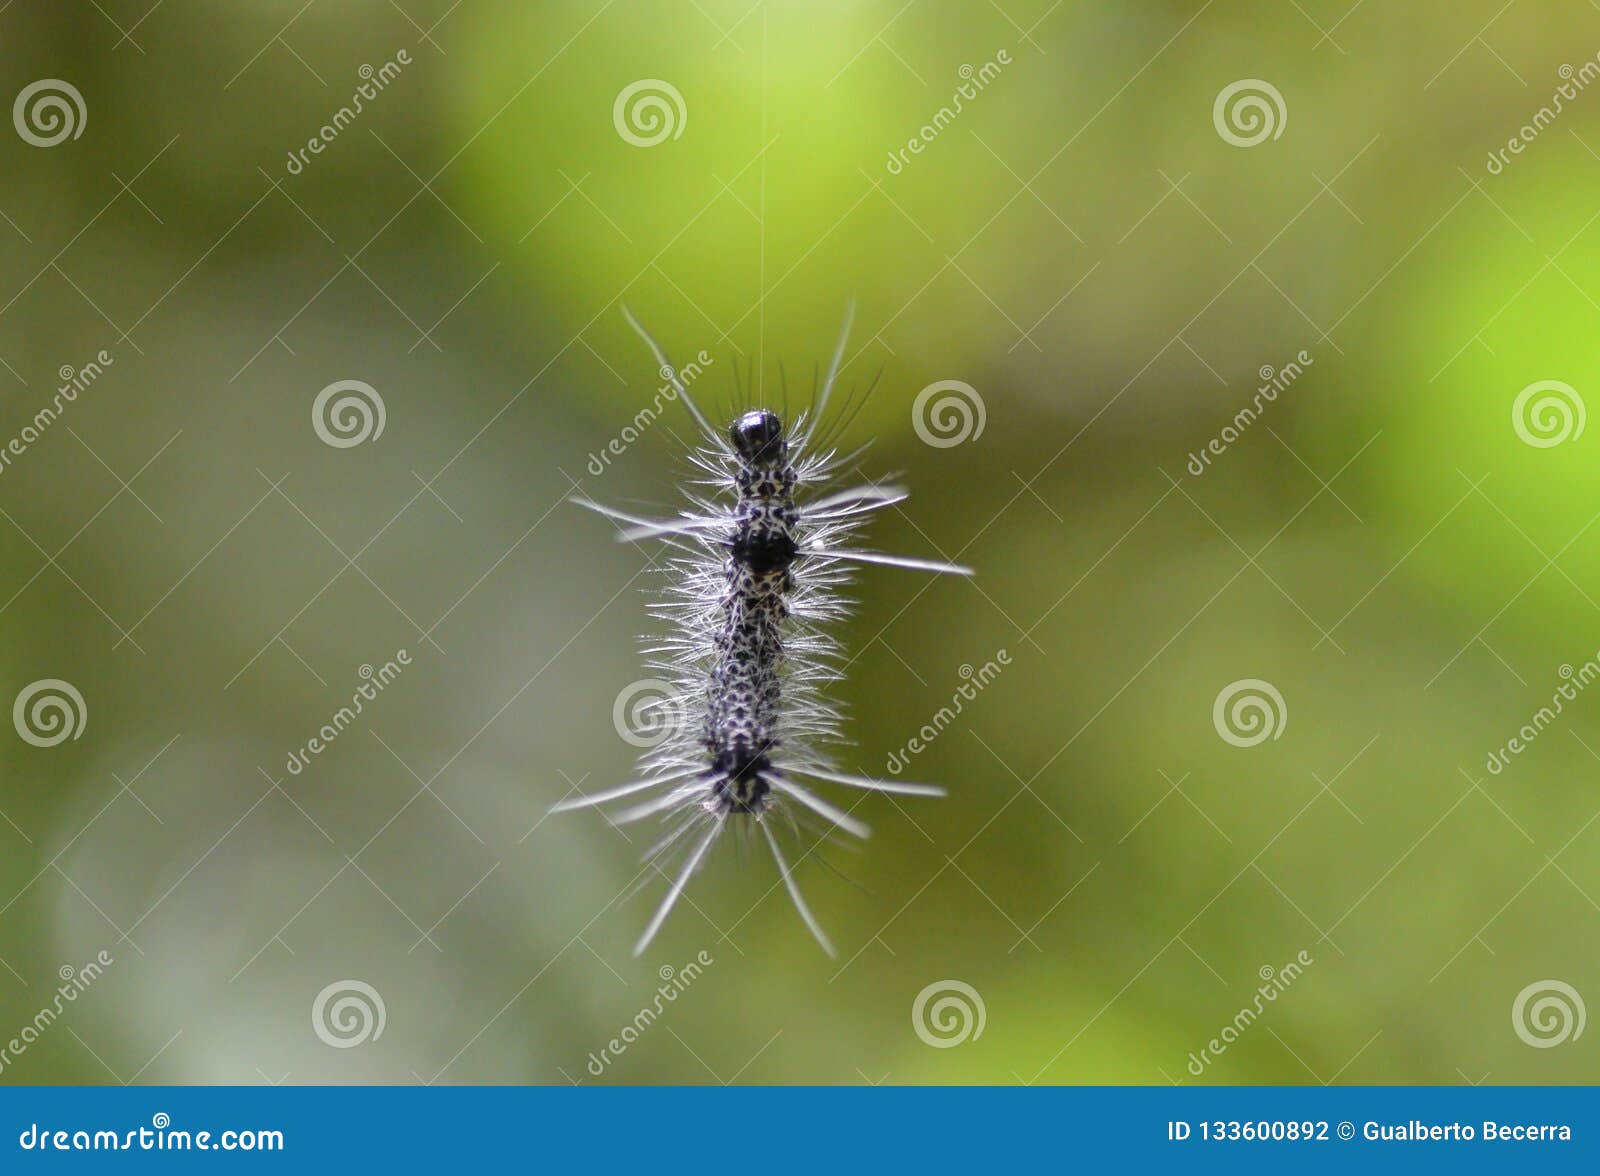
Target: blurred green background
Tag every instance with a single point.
(1080, 244)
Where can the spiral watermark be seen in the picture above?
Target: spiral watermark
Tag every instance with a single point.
(1547, 413)
(49, 112)
(1248, 712)
(648, 112)
(1249, 112)
(348, 412)
(348, 1013)
(647, 712)
(948, 1013)
(947, 413)
(1548, 1013)
(48, 712)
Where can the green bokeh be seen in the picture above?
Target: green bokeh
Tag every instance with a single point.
(1079, 245)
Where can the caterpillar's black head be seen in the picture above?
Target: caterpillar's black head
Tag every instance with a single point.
(758, 438)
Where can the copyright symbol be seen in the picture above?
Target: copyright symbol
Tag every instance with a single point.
(1347, 1130)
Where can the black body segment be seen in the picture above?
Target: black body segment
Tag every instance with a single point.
(751, 589)
(744, 693)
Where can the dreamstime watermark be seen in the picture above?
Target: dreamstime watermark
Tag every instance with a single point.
(1547, 413)
(348, 412)
(49, 711)
(49, 112)
(948, 413)
(348, 1013)
(1275, 982)
(156, 1137)
(674, 983)
(1548, 1013)
(1248, 712)
(74, 982)
(1546, 114)
(373, 683)
(373, 83)
(1273, 381)
(647, 712)
(1573, 681)
(73, 381)
(645, 417)
(1249, 112)
(974, 682)
(973, 83)
(948, 1013)
(649, 112)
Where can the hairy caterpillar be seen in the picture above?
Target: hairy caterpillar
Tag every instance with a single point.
(752, 583)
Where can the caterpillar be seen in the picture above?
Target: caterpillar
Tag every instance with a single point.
(752, 583)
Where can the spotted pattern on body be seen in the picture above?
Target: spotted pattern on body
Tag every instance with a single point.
(745, 689)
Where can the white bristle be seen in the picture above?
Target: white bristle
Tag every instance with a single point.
(752, 584)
